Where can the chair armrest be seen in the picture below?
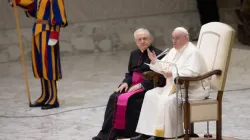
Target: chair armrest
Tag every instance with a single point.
(183, 79)
(150, 75)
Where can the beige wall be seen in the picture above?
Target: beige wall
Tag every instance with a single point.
(97, 10)
(108, 25)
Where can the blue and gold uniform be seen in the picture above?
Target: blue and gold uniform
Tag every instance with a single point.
(50, 17)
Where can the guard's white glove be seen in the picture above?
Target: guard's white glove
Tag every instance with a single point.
(52, 42)
(53, 38)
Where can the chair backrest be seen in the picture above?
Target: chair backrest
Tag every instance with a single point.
(215, 42)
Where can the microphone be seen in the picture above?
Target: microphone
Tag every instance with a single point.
(163, 53)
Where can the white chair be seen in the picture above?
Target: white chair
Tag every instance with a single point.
(215, 42)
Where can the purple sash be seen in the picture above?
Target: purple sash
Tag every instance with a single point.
(120, 116)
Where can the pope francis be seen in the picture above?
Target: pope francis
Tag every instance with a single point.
(158, 117)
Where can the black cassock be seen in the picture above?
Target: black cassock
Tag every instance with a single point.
(136, 64)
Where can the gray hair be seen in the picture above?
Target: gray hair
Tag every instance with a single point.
(183, 30)
(142, 30)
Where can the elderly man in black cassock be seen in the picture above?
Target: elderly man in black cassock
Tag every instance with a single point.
(124, 105)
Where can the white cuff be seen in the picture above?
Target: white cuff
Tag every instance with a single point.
(52, 42)
(174, 73)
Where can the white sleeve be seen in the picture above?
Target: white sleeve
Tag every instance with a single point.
(194, 66)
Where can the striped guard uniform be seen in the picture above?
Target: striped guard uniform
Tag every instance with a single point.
(50, 17)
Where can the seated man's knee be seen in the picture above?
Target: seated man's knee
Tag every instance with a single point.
(113, 96)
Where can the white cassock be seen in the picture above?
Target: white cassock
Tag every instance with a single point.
(158, 115)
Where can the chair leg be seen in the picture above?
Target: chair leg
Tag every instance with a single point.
(219, 130)
(208, 135)
(219, 121)
(186, 113)
(191, 131)
(186, 123)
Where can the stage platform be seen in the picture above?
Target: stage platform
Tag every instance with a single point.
(88, 80)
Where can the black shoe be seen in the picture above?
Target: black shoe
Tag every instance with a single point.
(155, 138)
(193, 135)
(114, 134)
(49, 106)
(140, 137)
(37, 104)
(96, 138)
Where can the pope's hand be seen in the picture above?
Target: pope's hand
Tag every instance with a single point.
(122, 87)
(152, 56)
(134, 88)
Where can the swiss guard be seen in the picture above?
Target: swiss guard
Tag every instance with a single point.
(49, 17)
